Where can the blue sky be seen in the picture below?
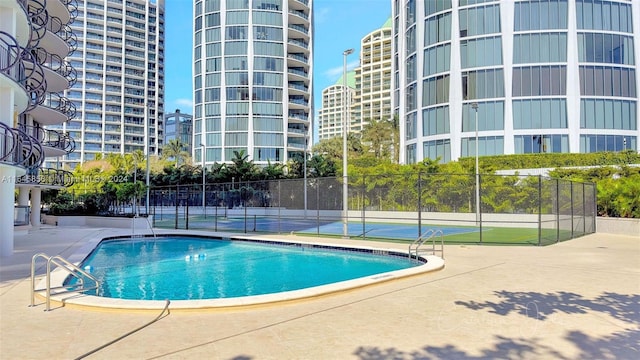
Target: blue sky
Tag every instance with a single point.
(339, 25)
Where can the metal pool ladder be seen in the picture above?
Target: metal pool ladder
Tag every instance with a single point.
(64, 264)
(431, 234)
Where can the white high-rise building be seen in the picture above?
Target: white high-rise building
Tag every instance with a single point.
(545, 76)
(120, 88)
(252, 79)
(35, 38)
(332, 113)
(368, 92)
(372, 100)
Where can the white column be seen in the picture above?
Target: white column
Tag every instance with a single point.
(35, 206)
(23, 196)
(7, 188)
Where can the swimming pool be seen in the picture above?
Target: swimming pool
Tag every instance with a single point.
(193, 268)
(89, 300)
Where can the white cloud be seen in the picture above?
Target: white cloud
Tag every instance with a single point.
(336, 72)
(320, 15)
(186, 104)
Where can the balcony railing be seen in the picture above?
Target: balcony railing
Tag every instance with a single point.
(19, 149)
(10, 58)
(50, 137)
(47, 177)
(60, 104)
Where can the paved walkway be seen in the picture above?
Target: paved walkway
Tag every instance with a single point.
(575, 300)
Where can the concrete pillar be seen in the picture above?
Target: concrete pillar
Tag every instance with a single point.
(7, 198)
(35, 207)
(23, 196)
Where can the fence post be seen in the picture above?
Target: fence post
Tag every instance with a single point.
(557, 210)
(539, 210)
(480, 204)
(279, 207)
(595, 206)
(419, 204)
(364, 189)
(571, 202)
(318, 206)
(177, 201)
(186, 215)
(584, 212)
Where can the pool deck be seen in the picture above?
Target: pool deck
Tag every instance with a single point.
(575, 300)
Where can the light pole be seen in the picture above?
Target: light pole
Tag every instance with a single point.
(304, 169)
(148, 157)
(475, 107)
(204, 211)
(345, 129)
(135, 187)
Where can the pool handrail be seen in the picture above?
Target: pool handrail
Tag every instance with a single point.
(62, 263)
(430, 234)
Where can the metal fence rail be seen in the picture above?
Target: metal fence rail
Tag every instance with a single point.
(397, 207)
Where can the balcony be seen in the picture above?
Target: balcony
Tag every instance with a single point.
(12, 68)
(19, 149)
(47, 177)
(55, 109)
(54, 143)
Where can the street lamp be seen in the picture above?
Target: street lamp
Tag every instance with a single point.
(345, 129)
(204, 209)
(147, 148)
(304, 169)
(474, 106)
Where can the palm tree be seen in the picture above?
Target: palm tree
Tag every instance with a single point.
(175, 149)
(241, 167)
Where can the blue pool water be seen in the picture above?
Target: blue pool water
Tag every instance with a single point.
(188, 268)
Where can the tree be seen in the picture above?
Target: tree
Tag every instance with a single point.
(241, 168)
(379, 135)
(175, 149)
(332, 148)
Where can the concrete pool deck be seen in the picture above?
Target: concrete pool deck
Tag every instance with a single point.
(574, 300)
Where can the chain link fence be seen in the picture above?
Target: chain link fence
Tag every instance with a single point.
(512, 209)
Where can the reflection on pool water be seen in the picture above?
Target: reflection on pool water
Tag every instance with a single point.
(188, 268)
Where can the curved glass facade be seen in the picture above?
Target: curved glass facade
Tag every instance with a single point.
(546, 75)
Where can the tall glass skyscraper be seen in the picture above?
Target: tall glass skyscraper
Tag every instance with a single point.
(544, 76)
(252, 78)
(120, 87)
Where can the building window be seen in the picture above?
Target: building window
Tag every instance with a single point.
(411, 126)
(435, 90)
(547, 143)
(479, 20)
(437, 59)
(435, 121)
(608, 114)
(437, 149)
(596, 143)
(607, 81)
(490, 116)
(432, 7)
(540, 114)
(481, 52)
(539, 48)
(437, 29)
(541, 15)
(482, 84)
(411, 154)
(487, 145)
(605, 48)
(269, 154)
(539, 81)
(604, 15)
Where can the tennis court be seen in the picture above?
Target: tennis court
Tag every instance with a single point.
(310, 226)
